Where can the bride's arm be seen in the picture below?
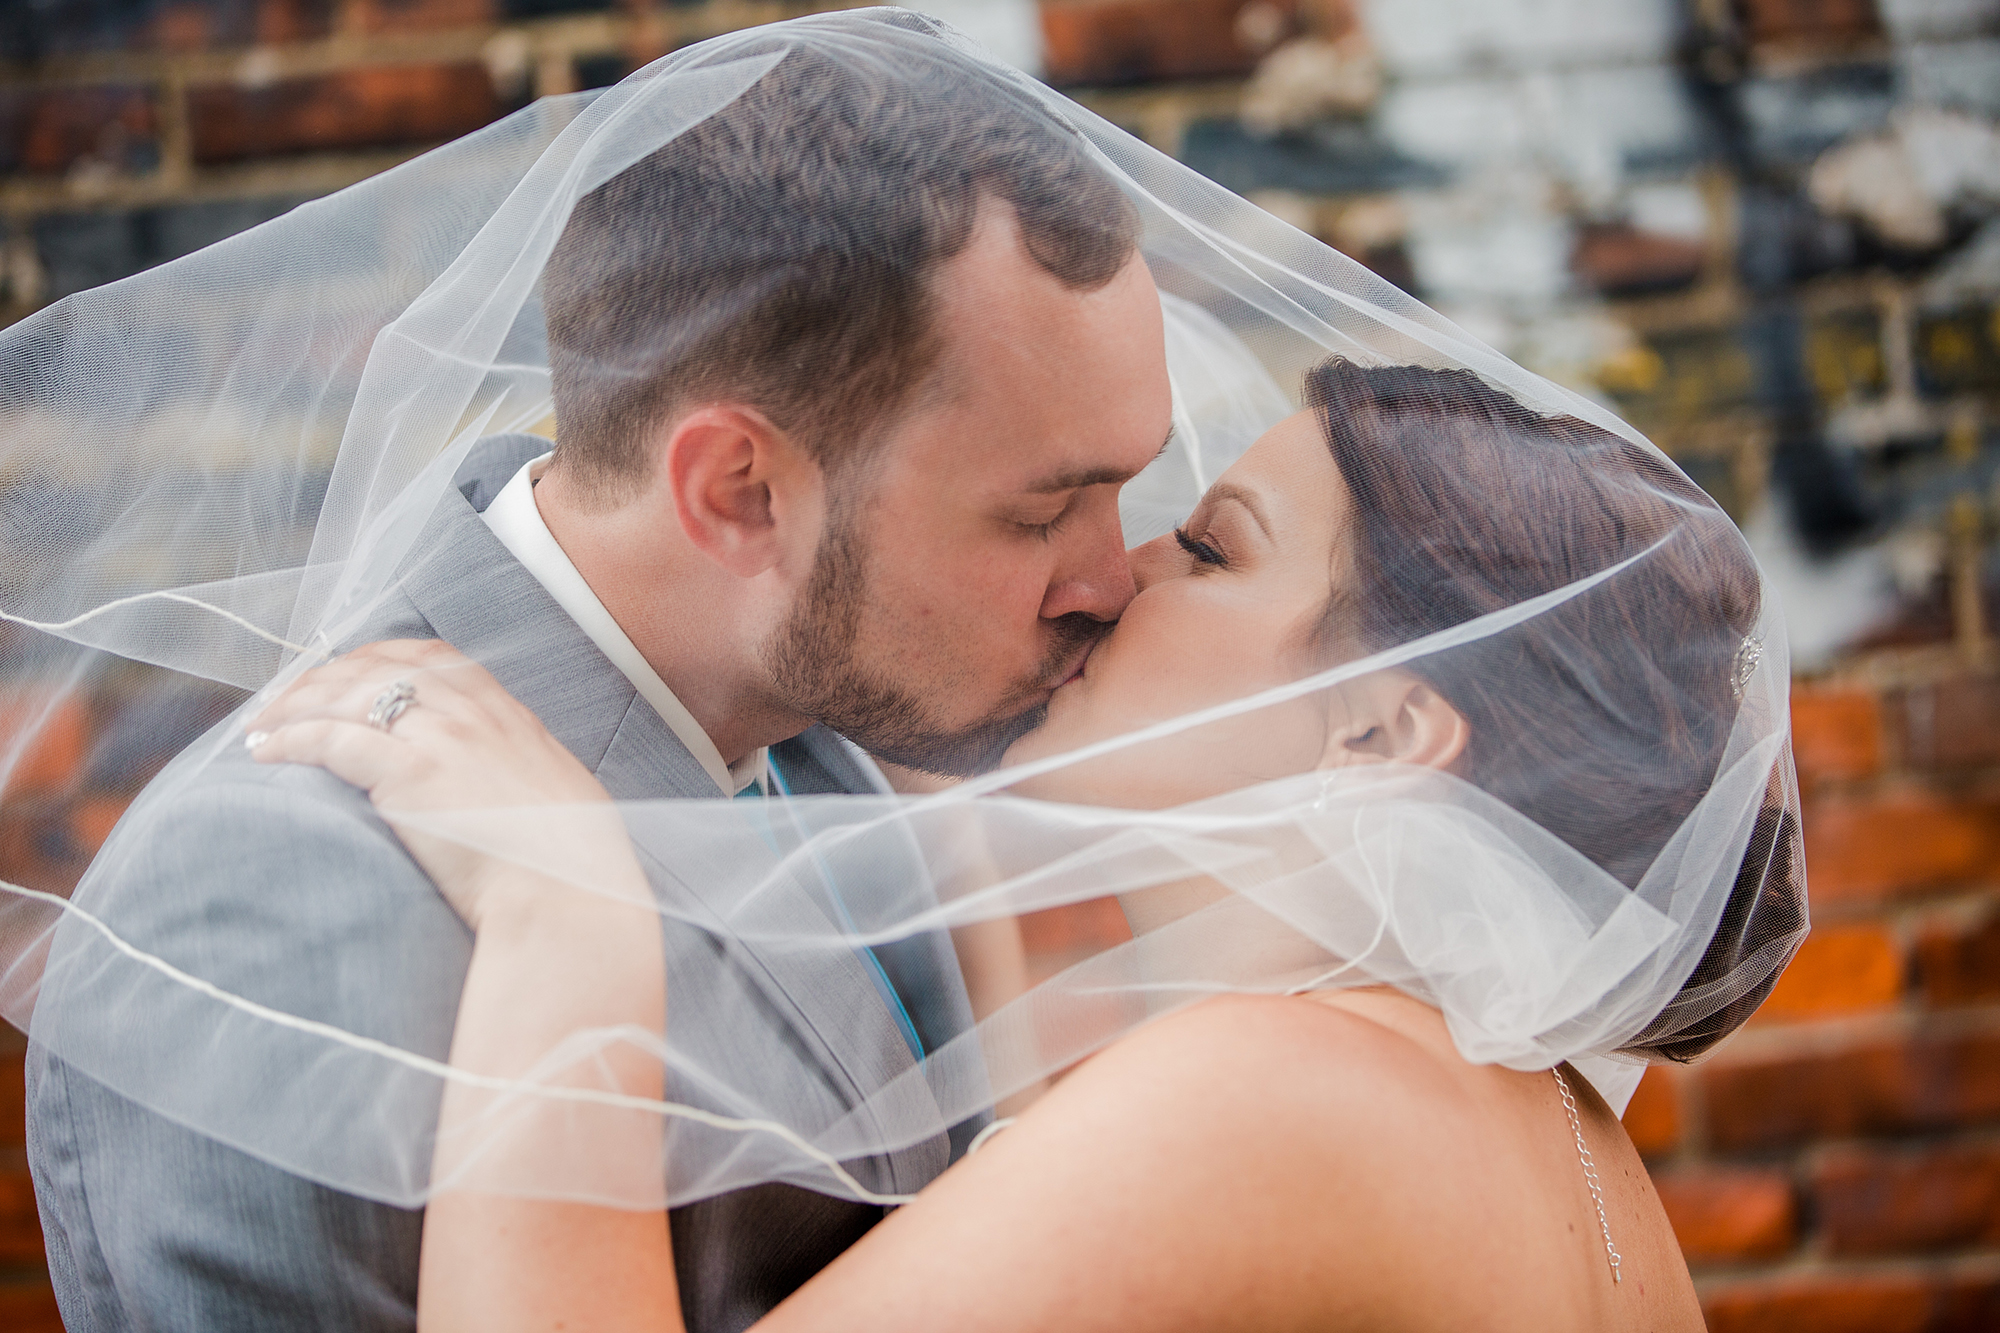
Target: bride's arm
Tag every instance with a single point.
(549, 961)
(544, 967)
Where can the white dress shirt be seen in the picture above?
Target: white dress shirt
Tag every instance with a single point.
(518, 524)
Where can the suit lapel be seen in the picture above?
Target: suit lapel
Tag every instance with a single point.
(478, 598)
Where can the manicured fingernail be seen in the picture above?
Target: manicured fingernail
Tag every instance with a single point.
(255, 739)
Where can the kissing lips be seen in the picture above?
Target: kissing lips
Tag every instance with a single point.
(1081, 663)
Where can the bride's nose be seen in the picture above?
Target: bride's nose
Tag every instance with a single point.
(1153, 561)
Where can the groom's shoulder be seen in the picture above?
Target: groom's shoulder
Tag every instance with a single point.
(280, 882)
(215, 782)
(218, 829)
(228, 821)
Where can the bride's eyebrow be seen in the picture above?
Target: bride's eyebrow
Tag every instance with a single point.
(1224, 490)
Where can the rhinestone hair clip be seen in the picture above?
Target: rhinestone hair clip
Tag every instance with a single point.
(1749, 654)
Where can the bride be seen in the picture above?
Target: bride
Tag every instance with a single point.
(1346, 1143)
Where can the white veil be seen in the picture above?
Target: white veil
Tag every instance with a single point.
(223, 467)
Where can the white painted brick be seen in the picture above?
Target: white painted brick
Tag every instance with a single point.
(1434, 37)
(1914, 20)
(1583, 123)
(1494, 241)
(1668, 208)
(1960, 74)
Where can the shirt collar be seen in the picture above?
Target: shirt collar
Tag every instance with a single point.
(518, 524)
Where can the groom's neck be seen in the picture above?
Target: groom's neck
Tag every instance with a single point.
(690, 619)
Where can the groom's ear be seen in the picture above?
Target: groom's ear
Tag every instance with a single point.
(1394, 718)
(737, 483)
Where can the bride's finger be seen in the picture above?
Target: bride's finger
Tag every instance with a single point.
(311, 692)
(351, 693)
(357, 754)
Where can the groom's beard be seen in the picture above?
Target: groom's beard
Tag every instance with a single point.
(814, 662)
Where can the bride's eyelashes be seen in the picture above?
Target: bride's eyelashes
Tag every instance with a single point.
(1203, 551)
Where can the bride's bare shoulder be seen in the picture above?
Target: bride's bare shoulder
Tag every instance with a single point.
(1263, 1063)
(1347, 1144)
(1337, 1129)
(1256, 1163)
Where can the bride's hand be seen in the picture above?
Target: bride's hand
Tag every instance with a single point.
(461, 743)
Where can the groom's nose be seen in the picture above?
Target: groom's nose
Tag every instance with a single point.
(1091, 574)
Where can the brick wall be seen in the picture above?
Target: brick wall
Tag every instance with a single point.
(1619, 193)
(1837, 1164)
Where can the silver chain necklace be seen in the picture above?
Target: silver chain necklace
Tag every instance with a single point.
(1589, 1173)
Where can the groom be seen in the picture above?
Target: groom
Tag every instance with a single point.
(842, 458)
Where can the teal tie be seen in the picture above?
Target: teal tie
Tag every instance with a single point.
(880, 977)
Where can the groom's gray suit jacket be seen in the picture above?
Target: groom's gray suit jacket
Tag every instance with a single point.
(153, 1226)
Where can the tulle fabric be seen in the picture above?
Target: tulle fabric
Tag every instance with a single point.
(218, 467)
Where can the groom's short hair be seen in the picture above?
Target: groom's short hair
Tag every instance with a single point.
(779, 252)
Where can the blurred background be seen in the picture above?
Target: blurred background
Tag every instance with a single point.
(1766, 231)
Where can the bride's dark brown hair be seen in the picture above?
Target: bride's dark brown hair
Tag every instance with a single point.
(1603, 719)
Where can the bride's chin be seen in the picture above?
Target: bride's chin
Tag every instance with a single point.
(1045, 740)
(1026, 749)
(1053, 735)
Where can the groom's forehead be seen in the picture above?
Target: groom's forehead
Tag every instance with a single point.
(1000, 312)
(1038, 387)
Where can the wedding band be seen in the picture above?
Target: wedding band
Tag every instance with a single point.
(390, 704)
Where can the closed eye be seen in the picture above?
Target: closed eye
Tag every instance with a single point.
(1043, 531)
(1200, 550)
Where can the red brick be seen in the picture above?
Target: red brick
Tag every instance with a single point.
(1729, 1216)
(1856, 1303)
(1881, 1203)
(1951, 723)
(1959, 965)
(1836, 733)
(1123, 41)
(49, 132)
(1653, 1116)
(281, 21)
(1928, 1081)
(40, 846)
(185, 26)
(54, 754)
(20, 1223)
(356, 108)
(13, 1102)
(1619, 258)
(92, 818)
(29, 1307)
(372, 16)
(1865, 850)
(1838, 970)
(193, 25)
(1809, 20)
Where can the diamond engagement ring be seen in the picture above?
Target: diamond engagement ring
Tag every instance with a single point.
(390, 703)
